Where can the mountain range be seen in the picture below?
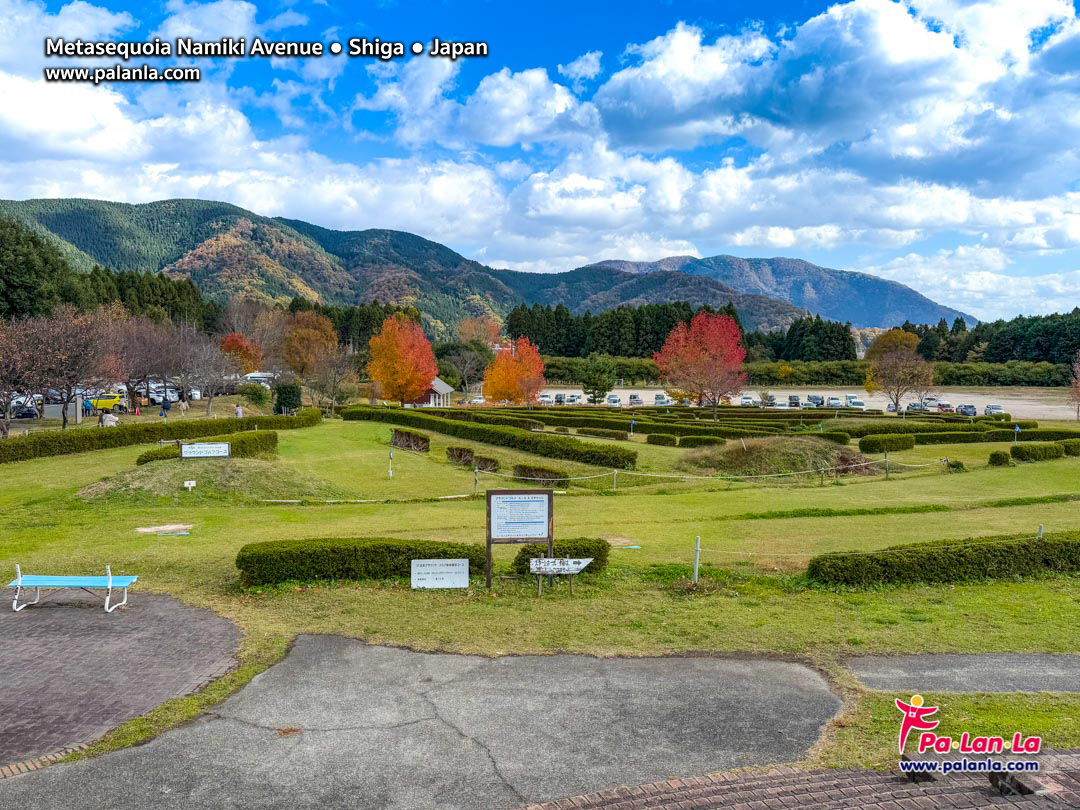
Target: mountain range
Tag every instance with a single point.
(226, 250)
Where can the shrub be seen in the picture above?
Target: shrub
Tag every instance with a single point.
(486, 463)
(346, 558)
(838, 436)
(562, 429)
(696, 441)
(594, 547)
(541, 476)
(64, 442)
(487, 418)
(460, 455)
(882, 442)
(541, 444)
(255, 393)
(1037, 435)
(410, 440)
(1000, 458)
(1002, 557)
(665, 439)
(604, 433)
(1037, 451)
(288, 397)
(1070, 446)
(955, 465)
(242, 445)
(957, 437)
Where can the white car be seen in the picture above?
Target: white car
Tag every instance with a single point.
(856, 404)
(780, 406)
(572, 399)
(990, 410)
(545, 399)
(614, 400)
(476, 401)
(662, 400)
(747, 402)
(834, 402)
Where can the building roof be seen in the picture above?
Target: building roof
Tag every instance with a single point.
(441, 387)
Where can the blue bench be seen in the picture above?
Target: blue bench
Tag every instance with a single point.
(105, 583)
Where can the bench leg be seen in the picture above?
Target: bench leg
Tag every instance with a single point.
(15, 602)
(108, 596)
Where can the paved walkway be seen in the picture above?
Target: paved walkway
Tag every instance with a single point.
(69, 672)
(340, 723)
(1005, 672)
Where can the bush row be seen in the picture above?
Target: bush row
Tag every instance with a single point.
(541, 476)
(79, 440)
(894, 426)
(346, 558)
(242, 445)
(1037, 451)
(468, 415)
(1002, 557)
(594, 547)
(605, 433)
(1000, 458)
(410, 440)
(1039, 435)
(542, 444)
(698, 441)
(881, 443)
(838, 436)
(1070, 446)
(460, 455)
(664, 439)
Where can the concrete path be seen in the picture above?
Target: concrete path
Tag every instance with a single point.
(69, 672)
(342, 724)
(1004, 672)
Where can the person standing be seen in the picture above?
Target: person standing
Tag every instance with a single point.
(165, 406)
(87, 407)
(239, 412)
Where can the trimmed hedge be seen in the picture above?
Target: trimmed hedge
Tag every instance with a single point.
(486, 463)
(604, 433)
(957, 437)
(980, 558)
(486, 418)
(1039, 435)
(665, 439)
(80, 440)
(410, 440)
(882, 442)
(838, 436)
(346, 558)
(541, 476)
(697, 441)
(1070, 446)
(893, 425)
(594, 547)
(542, 444)
(460, 455)
(242, 445)
(1000, 458)
(1041, 451)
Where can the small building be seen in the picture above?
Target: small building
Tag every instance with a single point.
(437, 395)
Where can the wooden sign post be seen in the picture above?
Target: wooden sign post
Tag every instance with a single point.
(519, 516)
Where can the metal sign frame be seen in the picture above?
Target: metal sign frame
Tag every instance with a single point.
(550, 539)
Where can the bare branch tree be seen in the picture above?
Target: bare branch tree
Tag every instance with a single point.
(900, 372)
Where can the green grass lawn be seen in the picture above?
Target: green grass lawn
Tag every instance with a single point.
(756, 539)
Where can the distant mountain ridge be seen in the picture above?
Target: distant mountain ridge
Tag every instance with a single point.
(226, 250)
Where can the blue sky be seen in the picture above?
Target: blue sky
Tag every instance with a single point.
(934, 142)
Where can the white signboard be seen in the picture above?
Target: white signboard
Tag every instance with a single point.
(555, 565)
(440, 573)
(520, 516)
(190, 485)
(205, 450)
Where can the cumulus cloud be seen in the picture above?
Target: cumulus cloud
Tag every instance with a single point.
(585, 67)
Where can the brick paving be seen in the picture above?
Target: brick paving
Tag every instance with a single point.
(782, 788)
(70, 672)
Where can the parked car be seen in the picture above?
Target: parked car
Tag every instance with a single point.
(890, 408)
(545, 399)
(850, 398)
(967, 410)
(560, 399)
(990, 410)
(108, 402)
(770, 402)
(834, 402)
(635, 400)
(780, 406)
(23, 410)
(793, 400)
(614, 400)
(747, 401)
(663, 400)
(916, 406)
(573, 399)
(476, 401)
(930, 402)
(945, 407)
(816, 399)
(856, 405)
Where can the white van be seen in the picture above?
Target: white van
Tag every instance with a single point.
(614, 400)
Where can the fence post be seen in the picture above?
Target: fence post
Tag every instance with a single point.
(697, 556)
(886, 465)
(821, 477)
(1040, 531)
(614, 480)
(476, 480)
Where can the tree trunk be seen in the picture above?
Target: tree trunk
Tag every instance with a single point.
(209, 402)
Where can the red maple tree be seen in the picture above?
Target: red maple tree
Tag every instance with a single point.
(402, 362)
(704, 359)
(247, 354)
(515, 375)
(479, 330)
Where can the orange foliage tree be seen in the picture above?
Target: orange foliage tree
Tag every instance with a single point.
(704, 359)
(246, 353)
(309, 339)
(479, 330)
(516, 375)
(402, 362)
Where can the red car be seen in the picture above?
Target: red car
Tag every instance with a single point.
(945, 407)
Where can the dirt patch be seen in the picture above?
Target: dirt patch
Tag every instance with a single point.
(168, 527)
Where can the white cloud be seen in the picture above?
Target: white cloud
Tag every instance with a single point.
(25, 24)
(585, 67)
